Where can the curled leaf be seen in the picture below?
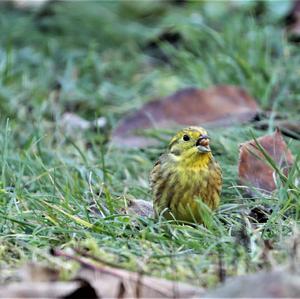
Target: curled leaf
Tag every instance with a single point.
(110, 282)
(253, 169)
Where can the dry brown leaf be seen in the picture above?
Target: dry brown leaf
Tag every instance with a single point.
(254, 171)
(216, 106)
(124, 284)
(39, 289)
(37, 281)
(275, 284)
(119, 283)
(33, 272)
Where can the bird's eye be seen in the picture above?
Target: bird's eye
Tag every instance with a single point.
(186, 137)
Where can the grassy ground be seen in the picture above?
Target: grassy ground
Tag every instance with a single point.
(98, 55)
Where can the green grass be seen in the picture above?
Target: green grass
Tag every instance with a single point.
(98, 53)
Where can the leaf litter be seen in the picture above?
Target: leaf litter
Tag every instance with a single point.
(94, 280)
(253, 169)
(217, 106)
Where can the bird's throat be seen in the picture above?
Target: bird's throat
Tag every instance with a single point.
(195, 161)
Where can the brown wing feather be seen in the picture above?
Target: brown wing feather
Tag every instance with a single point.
(158, 183)
(214, 184)
(155, 173)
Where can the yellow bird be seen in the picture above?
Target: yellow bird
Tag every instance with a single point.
(186, 173)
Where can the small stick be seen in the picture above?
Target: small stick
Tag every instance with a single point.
(85, 263)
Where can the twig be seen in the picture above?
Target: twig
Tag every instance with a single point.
(84, 263)
(96, 258)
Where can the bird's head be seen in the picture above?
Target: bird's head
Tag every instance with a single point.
(190, 141)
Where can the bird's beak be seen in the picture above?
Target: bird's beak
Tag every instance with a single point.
(202, 144)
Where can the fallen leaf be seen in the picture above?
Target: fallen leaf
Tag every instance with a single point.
(39, 289)
(111, 282)
(254, 171)
(33, 272)
(273, 284)
(34, 280)
(121, 283)
(216, 106)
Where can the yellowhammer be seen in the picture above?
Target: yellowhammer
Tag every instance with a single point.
(186, 173)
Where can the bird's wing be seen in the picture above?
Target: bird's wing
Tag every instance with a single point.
(155, 173)
(219, 178)
(215, 183)
(158, 185)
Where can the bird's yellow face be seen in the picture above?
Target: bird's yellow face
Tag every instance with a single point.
(190, 141)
